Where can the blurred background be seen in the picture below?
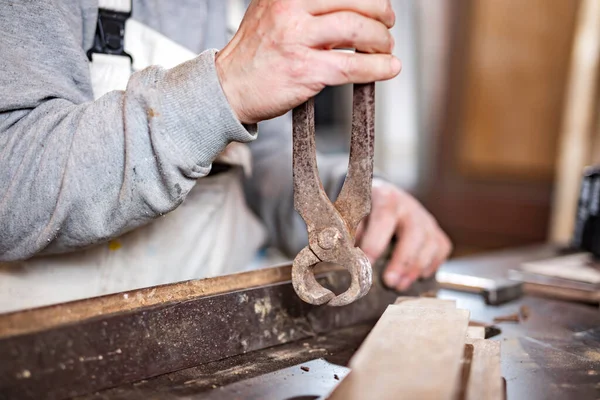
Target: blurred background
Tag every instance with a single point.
(492, 119)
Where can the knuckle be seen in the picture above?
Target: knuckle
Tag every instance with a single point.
(391, 42)
(429, 254)
(298, 63)
(280, 7)
(448, 246)
(372, 249)
(352, 25)
(386, 196)
(445, 245)
(347, 68)
(389, 11)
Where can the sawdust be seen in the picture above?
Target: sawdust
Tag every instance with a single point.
(593, 355)
(263, 307)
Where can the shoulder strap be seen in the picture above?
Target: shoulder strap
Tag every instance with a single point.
(110, 28)
(110, 65)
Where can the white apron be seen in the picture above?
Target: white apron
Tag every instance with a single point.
(212, 233)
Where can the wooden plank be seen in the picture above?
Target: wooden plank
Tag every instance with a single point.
(475, 332)
(97, 353)
(411, 353)
(43, 318)
(562, 293)
(485, 375)
(564, 289)
(580, 115)
(425, 302)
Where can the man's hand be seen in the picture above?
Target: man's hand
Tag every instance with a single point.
(421, 247)
(280, 56)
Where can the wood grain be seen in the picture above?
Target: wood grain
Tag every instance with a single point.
(496, 143)
(406, 348)
(42, 318)
(514, 90)
(39, 319)
(485, 376)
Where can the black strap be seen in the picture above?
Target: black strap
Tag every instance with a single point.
(110, 33)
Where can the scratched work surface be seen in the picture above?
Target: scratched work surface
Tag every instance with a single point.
(552, 354)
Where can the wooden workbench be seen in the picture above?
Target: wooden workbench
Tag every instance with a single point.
(248, 336)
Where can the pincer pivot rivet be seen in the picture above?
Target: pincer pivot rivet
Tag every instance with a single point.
(328, 238)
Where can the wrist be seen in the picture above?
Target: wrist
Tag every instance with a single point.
(230, 88)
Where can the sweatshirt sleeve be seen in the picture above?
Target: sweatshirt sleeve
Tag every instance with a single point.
(269, 190)
(75, 172)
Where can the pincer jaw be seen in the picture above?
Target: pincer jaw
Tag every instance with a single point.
(312, 292)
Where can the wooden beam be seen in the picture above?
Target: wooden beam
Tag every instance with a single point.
(39, 319)
(580, 116)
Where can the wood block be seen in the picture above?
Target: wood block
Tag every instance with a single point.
(411, 353)
(485, 376)
(475, 332)
(425, 302)
(578, 267)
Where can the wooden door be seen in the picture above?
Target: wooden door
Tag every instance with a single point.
(497, 143)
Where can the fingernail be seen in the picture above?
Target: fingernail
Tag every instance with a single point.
(396, 65)
(391, 278)
(405, 283)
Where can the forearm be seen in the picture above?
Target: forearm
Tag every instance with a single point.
(77, 174)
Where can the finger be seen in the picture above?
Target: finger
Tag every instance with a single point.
(349, 29)
(411, 238)
(425, 258)
(378, 234)
(382, 222)
(444, 250)
(337, 68)
(381, 10)
(360, 231)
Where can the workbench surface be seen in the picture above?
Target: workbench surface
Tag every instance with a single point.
(552, 354)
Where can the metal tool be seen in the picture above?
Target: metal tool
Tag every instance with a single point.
(332, 226)
(495, 291)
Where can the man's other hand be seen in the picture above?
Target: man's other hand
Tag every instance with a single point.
(280, 56)
(421, 246)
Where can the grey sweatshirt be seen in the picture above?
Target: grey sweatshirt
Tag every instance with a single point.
(76, 172)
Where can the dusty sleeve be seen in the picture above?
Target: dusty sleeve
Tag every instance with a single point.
(269, 190)
(75, 172)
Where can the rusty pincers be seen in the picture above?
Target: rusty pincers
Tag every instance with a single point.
(332, 226)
